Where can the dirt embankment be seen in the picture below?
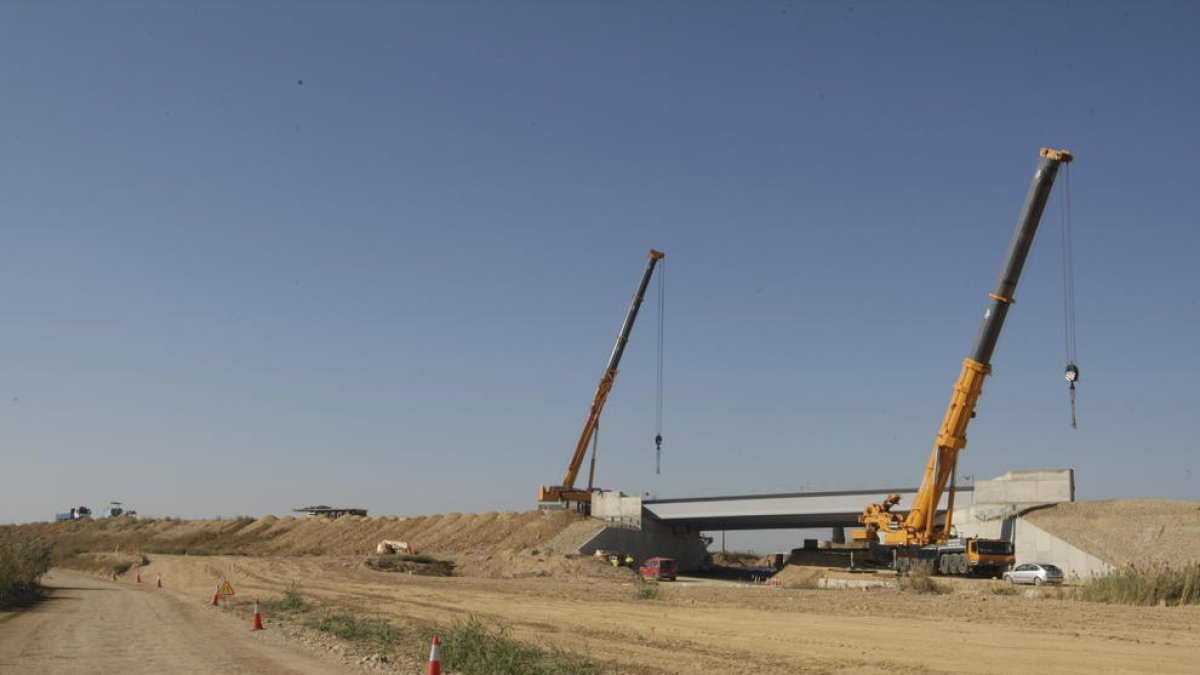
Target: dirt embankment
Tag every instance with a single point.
(506, 545)
(1131, 531)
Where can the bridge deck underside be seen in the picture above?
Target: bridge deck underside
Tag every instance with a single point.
(786, 511)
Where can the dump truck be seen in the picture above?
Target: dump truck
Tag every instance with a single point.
(74, 514)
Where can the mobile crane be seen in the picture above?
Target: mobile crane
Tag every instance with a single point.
(567, 494)
(914, 541)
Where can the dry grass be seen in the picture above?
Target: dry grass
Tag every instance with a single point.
(1156, 584)
(921, 581)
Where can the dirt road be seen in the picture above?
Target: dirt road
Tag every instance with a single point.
(95, 626)
(703, 628)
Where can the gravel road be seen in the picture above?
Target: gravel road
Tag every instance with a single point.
(101, 627)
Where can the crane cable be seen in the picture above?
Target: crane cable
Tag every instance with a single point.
(658, 393)
(1068, 286)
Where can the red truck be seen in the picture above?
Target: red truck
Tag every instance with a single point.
(658, 569)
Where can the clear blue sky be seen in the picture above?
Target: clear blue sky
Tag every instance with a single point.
(260, 255)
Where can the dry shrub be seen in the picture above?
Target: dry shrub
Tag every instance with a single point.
(1004, 589)
(1152, 584)
(921, 581)
(22, 563)
(411, 564)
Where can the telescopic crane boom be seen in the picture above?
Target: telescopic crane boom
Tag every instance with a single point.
(567, 492)
(918, 528)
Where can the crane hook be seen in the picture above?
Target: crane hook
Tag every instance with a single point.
(1072, 376)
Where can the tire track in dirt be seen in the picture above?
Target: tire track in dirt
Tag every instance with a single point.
(100, 627)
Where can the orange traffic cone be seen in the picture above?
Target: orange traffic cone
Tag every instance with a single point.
(257, 615)
(159, 581)
(435, 658)
(217, 597)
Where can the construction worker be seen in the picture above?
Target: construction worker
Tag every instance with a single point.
(614, 560)
(629, 560)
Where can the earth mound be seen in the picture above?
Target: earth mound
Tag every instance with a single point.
(1128, 531)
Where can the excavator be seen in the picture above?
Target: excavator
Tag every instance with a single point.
(915, 541)
(566, 494)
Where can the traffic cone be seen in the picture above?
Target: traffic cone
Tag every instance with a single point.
(435, 658)
(159, 581)
(217, 597)
(138, 578)
(257, 615)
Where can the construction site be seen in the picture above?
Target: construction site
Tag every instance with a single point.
(309, 355)
(618, 583)
(531, 574)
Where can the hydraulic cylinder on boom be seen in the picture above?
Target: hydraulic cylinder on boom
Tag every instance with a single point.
(567, 493)
(914, 539)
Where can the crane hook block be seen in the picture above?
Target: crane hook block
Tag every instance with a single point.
(658, 441)
(1072, 374)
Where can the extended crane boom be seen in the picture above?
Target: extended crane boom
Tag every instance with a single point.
(567, 492)
(918, 528)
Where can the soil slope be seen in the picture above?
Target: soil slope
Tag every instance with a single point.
(532, 543)
(1123, 532)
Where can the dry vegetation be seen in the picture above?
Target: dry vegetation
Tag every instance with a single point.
(22, 563)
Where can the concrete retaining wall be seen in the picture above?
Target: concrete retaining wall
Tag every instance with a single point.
(688, 550)
(1027, 488)
(1035, 545)
(616, 507)
(1032, 544)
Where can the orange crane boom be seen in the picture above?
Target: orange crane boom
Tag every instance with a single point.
(567, 492)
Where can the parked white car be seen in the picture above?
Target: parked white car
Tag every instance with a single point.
(1034, 573)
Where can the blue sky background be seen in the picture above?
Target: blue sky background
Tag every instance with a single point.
(255, 256)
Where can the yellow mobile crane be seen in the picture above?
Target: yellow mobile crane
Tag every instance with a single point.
(566, 493)
(914, 541)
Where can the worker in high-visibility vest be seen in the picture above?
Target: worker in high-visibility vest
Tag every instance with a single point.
(628, 560)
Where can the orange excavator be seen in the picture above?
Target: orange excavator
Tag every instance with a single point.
(566, 494)
(914, 540)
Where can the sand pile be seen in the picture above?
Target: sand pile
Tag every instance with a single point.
(1122, 532)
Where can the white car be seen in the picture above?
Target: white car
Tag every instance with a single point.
(1034, 573)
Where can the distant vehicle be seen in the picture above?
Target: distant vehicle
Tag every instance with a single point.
(74, 514)
(658, 569)
(116, 510)
(1034, 573)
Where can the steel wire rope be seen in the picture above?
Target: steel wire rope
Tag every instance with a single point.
(658, 382)
(1068, 289)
